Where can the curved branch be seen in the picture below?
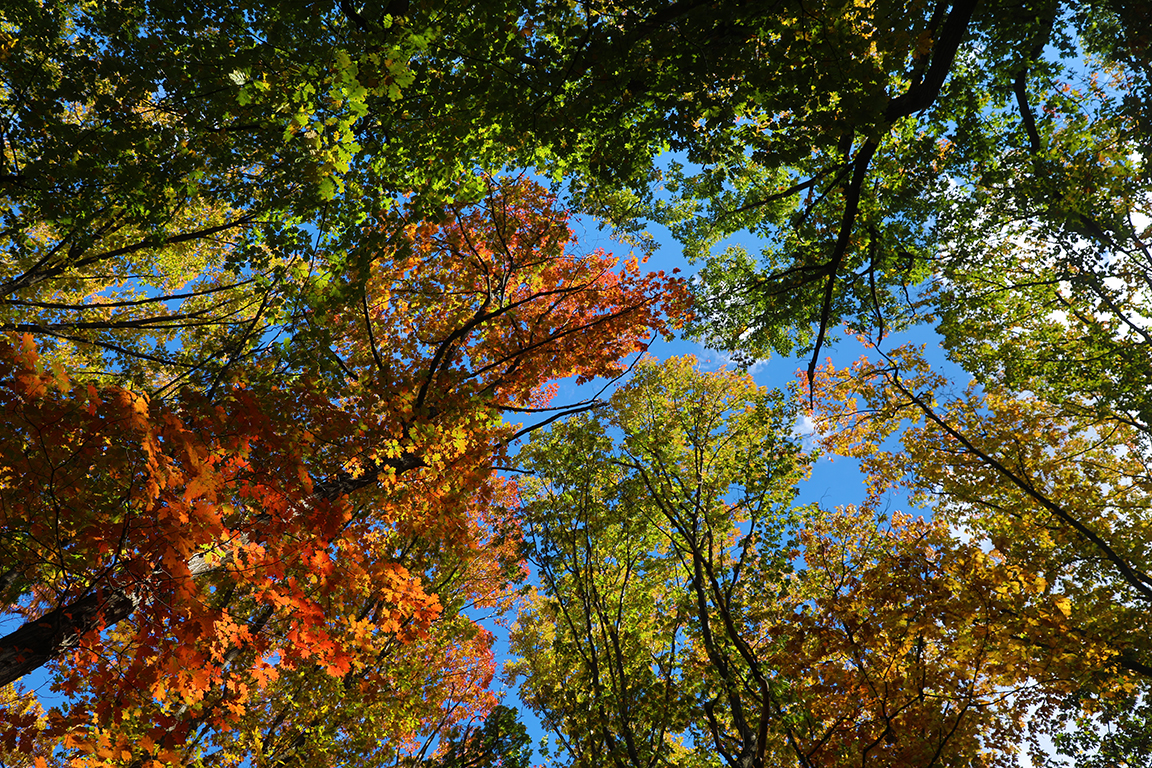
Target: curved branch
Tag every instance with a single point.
(851, 208)
(1134, 577)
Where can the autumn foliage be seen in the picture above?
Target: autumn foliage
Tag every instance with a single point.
(1039, 507)
(281, 333)
(688, 610)
(266, 573)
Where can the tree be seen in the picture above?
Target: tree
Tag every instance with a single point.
(278, 545)
(145, 148)
(1057, 489)
(1122, 735)
(799, 120)
(983, 167)
(166, 171)
(857, 140)
(688, 615)
(501, 741)
(868, 147)
(262, 243)
(649, 553)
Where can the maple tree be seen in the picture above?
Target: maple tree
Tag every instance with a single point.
(277, 568)
(1055, 489)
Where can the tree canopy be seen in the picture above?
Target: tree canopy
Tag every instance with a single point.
(284, 289)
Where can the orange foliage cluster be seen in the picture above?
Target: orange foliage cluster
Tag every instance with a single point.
(283, 570)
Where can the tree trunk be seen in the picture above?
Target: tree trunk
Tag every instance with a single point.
(40, 640)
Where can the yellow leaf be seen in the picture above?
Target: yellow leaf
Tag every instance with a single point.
(63, 383)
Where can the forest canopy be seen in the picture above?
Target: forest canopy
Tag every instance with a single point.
(289, 289)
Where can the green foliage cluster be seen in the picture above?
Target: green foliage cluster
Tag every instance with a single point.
(655, 552)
